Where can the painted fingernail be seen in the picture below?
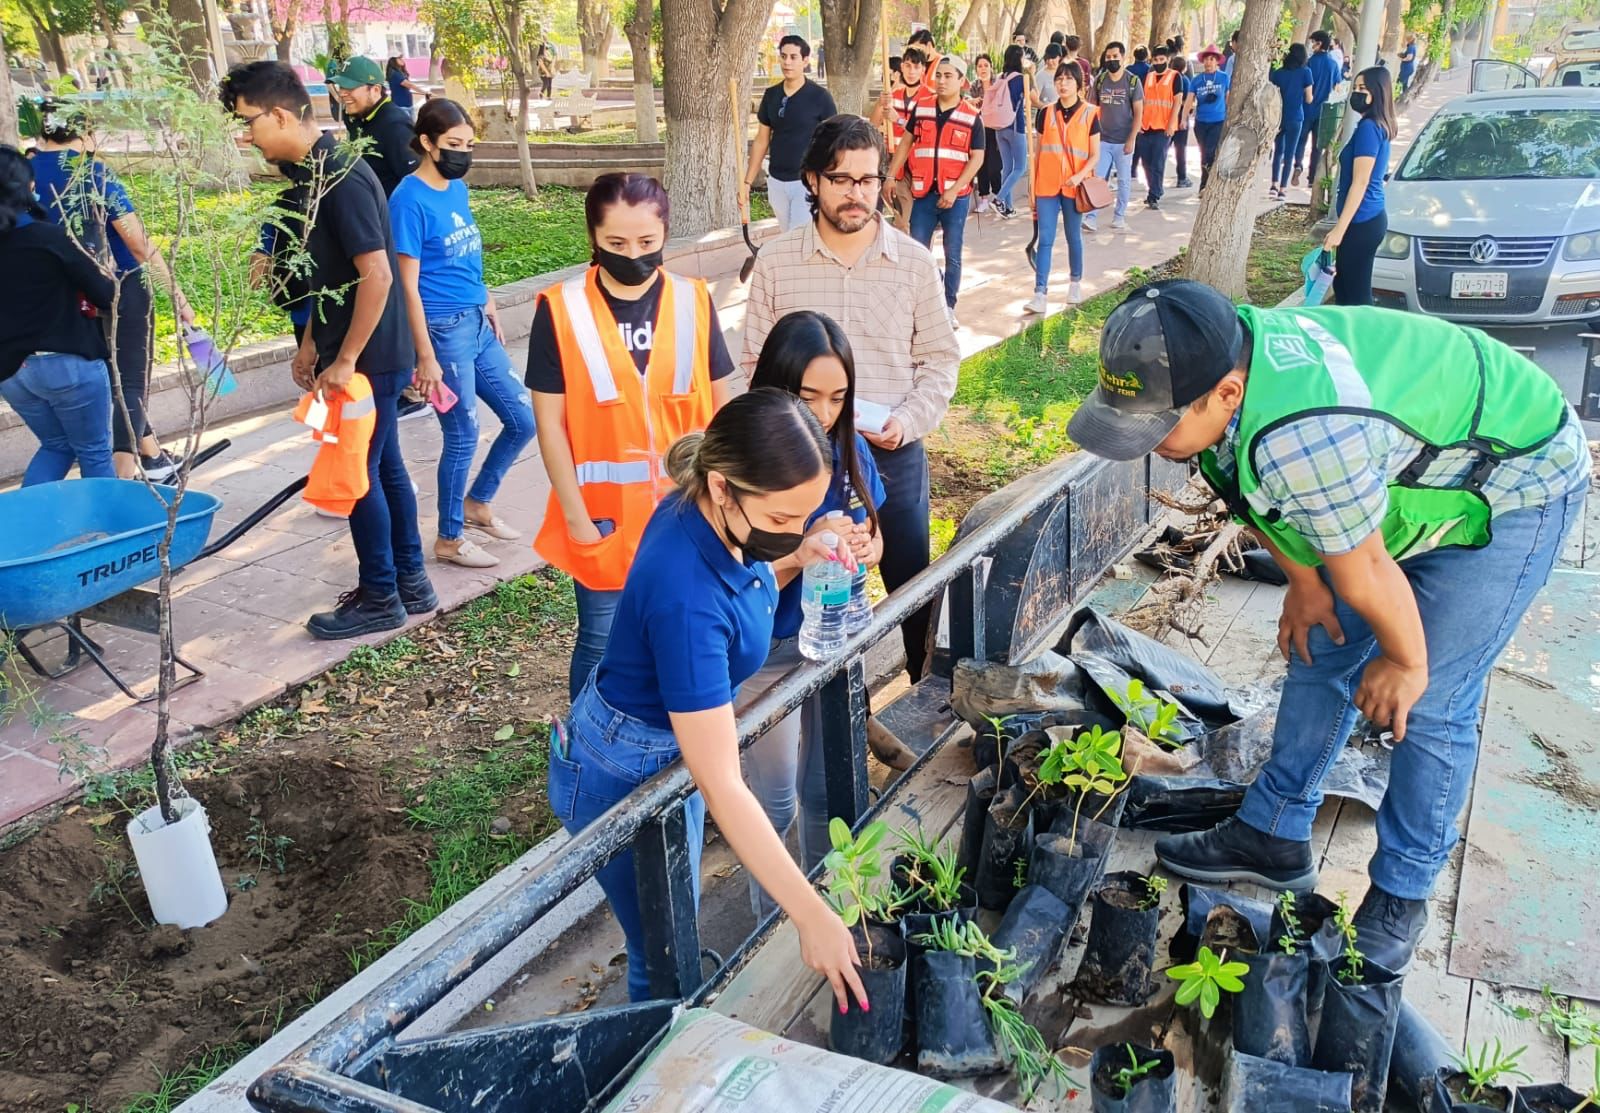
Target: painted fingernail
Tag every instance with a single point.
(842, 1009)
(866, 1008)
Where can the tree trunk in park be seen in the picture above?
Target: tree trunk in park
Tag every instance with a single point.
(702, 47)
(1318, 10)
(971, 23)
(1107, 30)
(850, 28)
(1302, 18)
(189, 32)
(644, 91)
(284, 21)
(508, 18)
(1163, 17)
(1138, 23)
(51, 48)
(1219, 245)
(8, 99)
(1394, 16)
(594, 36)
(1031, 22)
(1082, 20)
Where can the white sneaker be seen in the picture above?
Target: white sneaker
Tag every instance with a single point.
(1091, 226)
(983, 204)
(955, 325)
(1037, 305)
(1074, 294)
(1119, 225)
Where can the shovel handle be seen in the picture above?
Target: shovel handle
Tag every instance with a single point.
(738, 145)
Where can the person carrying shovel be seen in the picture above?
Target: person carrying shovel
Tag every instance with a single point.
(1415, 480)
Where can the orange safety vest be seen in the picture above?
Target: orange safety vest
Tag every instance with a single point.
(927, 75)
(1160, 100)
(945, 150)
(1063, 152)
(904, 102)
(338, 477)
(620, 424)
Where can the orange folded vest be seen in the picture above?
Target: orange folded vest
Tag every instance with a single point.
(342, 423)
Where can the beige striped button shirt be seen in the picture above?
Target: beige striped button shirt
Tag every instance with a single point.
(890, 305)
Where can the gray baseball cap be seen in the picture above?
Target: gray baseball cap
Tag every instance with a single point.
(1167, 344)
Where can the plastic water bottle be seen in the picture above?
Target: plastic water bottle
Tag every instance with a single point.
(859, 613)
(218, 376)
(824, 598)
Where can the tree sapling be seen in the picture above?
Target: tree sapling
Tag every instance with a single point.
(1152, 716)
(1289, 941)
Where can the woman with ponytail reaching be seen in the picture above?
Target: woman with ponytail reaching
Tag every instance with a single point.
(456, 331)
(694, 623)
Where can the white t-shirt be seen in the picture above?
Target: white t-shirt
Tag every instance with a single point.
(1338, 56)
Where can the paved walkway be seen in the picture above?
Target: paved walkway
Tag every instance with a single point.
(240, 616)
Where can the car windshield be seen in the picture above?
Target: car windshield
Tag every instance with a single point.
(1576, 75)
(1521, 143)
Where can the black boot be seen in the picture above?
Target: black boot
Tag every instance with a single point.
(1388, 928)
(1235, 851)
(416, 592)
(358, 613)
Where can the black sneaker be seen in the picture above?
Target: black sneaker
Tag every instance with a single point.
(161, 468)
(1235, 851)
(408, 409)
(416, 592)
(1388, 928)
(1185, 183)
(357, 614)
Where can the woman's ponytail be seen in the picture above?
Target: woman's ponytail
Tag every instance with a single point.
(683, 464)
(764, 440)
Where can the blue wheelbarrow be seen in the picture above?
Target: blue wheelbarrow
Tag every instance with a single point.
(79, 549)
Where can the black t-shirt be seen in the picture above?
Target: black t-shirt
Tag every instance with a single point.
(792, 118)
(636, 322)
(352, 218)
(42, 274)
(389, 154)
(1067, 115)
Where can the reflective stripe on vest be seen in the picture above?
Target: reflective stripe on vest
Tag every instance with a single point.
(361, 407)
(576, 299)
(1063, 152)
(613, 471)
(1160, 93)
(936, 146)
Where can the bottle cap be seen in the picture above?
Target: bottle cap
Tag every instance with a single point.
(829, 538)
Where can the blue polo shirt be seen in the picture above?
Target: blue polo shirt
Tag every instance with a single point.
(85, 207)
(693, 624)
(1369, 140)
(1325, 75)
(1292, 85)
(786, 622)
(1211, 96)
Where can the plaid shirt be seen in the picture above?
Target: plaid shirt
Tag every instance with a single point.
(1329, 475)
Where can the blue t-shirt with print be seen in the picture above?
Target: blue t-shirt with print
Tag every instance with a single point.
(435, 227)
(1292, 85)
(1369, 141)
(693, 623)
(1211, 96)
(1325, 74)
(786, 622)
(87, 206)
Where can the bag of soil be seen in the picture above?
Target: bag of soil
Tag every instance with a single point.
(1450, 1088)
(1196, 903)
(875, 1034)
(1071, 867)
(1549, 1098)
(980, 794)
(1035, 925)
(1120, 956)
(1357, 1031)
(1264, 1086)
(1152, 1091)
(1314, 932)
(1269, 1014)
(1003, 857)
(953, 1036)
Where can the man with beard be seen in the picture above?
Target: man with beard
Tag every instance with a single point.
(884, 290)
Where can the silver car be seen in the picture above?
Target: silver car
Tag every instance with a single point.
(1494, 215)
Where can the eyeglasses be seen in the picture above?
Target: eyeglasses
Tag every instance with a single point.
(248, 123)
(846, 183)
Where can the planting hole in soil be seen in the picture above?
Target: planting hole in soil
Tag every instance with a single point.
(1549, 1098)
(1120, 954)
(876, 1032)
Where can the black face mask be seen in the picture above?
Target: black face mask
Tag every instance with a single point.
(1360, 101)
(1158, 67)
(452, 164)
(762, 544)
(1113, 65)
(628, 270)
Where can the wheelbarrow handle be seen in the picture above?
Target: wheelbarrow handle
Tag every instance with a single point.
(209, 452)
(254, 519)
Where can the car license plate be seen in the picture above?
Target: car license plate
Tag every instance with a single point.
(1478, 284)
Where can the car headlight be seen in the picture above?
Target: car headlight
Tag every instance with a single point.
(1396, 245)
(1584, 246)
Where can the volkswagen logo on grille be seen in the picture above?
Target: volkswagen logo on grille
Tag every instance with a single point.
(1483, 250)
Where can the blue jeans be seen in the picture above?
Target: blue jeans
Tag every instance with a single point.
(1013, 156)
(66, 401)
(1112, 156)
(926, 215)
(596, 611)
(1048, 208)
(1308, 135)
(383, 524)
(903, 521)
(608, 755)
(1471, 601)
(1283, 148)
(475, 366)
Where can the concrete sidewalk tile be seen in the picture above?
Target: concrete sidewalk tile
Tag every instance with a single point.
(223, 694)
(284, 652)
(257, 589)
(331, 561)
(196, 573)
(28, 783)
(262, 542)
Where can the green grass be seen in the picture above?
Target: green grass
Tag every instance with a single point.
(175, 1087)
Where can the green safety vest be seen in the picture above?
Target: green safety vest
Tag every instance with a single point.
(1448, 386)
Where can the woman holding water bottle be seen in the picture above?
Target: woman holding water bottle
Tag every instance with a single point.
(694, 623)
(808, 356)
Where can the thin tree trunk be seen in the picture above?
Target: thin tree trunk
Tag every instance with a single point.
(1031, 21)
(51, 48)
(1394, 16)
(701, 48)
(8, 99)
(644, 91)
(1082, 12)
(283, 32)
(850, 28)
(189, 29)
(1107, 29)
(1219, 245)
(1302, 18)
(508, 16)
(1163, 20)
(1138, 24)
(594, 36)
(972, 22)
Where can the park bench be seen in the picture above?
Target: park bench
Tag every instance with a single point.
(572, 97)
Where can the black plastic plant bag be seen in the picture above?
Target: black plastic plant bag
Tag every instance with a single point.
(1036, 925)
(953, 1035)
(980, 794)
(919, 924)
(876, 1033)
(1549, 1098)
(1120, 955)
(1269, 1014)
(1448, 1079)
(1071, 878)
(1153, 1092)
(1196, 903)
(1263, 1086)
(1419, 1051)
(1357, 1032)
(1007, 839)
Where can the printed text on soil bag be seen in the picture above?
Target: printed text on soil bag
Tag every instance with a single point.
(146, 555)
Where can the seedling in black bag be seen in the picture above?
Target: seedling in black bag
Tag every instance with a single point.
(853, 869)
(1591, 1100)
(1486, 1068)
(1020, 879)
(1154, 886)
(1135, 1070)
(1289, 941)
(935, 876)
(1350, 969)
(1152, 716)
(1091, 762)
(1206, 979)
